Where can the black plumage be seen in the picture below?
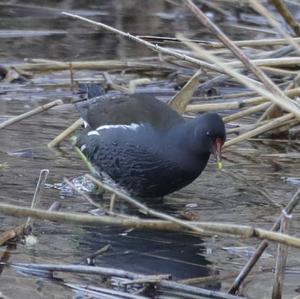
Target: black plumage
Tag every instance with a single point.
(146, 148)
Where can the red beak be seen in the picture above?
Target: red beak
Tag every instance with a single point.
(217, 151)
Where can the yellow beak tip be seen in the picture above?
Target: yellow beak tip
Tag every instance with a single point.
(220, 165)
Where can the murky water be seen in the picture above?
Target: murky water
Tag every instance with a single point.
(215, 196)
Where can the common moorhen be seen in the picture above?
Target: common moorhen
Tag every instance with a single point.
(142, 146)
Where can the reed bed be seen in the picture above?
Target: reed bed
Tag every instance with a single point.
(266, 71)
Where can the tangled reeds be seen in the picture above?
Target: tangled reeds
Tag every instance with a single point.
(203, 64)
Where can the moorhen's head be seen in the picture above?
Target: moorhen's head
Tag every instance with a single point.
(209, 136)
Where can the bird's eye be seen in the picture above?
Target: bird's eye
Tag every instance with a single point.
(207, 133)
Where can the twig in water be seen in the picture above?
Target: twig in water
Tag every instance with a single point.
(262, 246)
(144, 208)
(23, 229)
(282, 253)
(91, 258)
(148, 279)
(55, 206)
(67, 132)
(135, 82)
(125, 274)
(208, 227)
(94, 65)
(85, 161)
(30, 113)
(100, 292)
(12, 233)
(71, 77)
(38, 193)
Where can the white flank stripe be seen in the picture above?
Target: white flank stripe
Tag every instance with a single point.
(125, 127)
(83, 147)
(93, 133)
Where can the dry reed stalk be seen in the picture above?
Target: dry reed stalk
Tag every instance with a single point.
(291, 155)
(12, 233)
(262, 246)
(246, 112)
(38, 193)
(55, 206)
(22, 229)
(264, 12)
(149, 279)
(92, 291)
(283, 100)
(71, 77)
(182, 98)
(290, 93)
(96, 270)
(274, 141)
(30, 113)
(90, 259)
(277, 71)
(282, 254)
(113, 199)
(67, 132)
(211, 228)
(261, 129)
(271, 42)
(208, 279)
(287, 16)
(145, 208)
(258, 43)
(149, 45)
(92, 65)
(136, 82)
(87, 163)
(273, 110)
(40, 60)
(239, 104)
(285, 104)
(269, 62)
(214, 106)
(215, 7)
(112, 85)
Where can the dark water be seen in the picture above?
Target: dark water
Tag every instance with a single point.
(36, 29)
